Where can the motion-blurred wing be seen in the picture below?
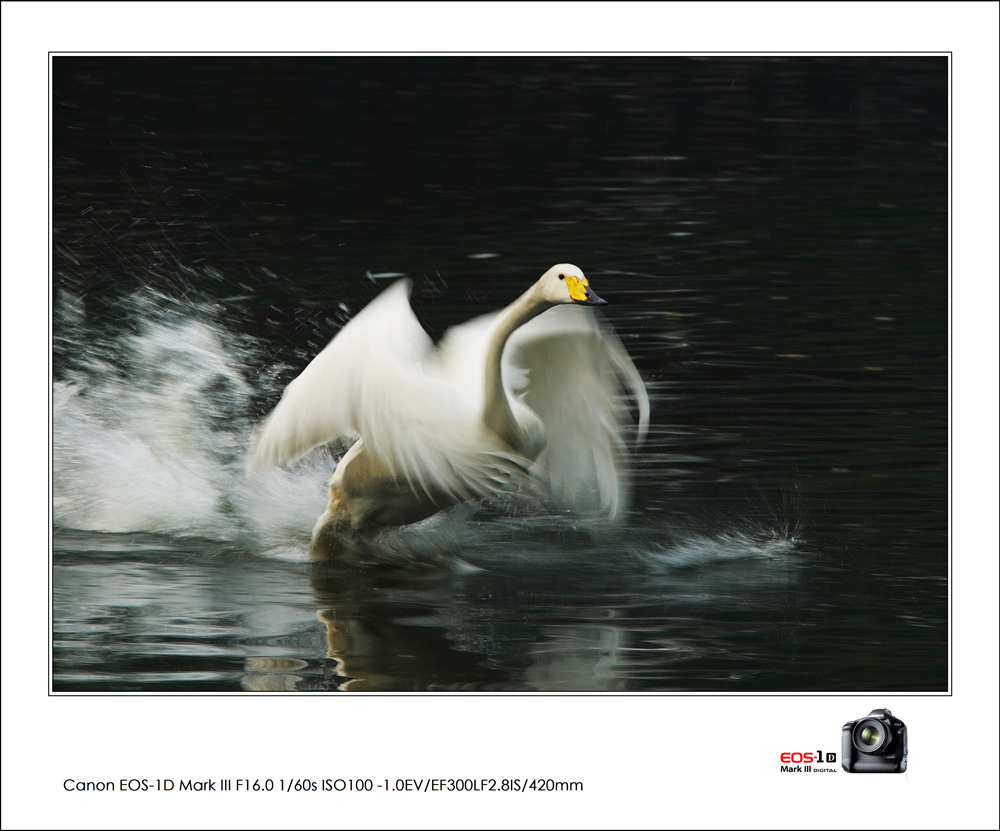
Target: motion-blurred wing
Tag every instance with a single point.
(371, 381)
(578, 378)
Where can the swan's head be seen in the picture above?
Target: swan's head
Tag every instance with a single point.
(565, 283)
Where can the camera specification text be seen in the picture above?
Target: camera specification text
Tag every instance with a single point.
(338, 785)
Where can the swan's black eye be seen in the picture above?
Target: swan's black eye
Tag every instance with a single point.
(562, 276)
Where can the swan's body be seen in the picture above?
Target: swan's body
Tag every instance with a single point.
(507, 397)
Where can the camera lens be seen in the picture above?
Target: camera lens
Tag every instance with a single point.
(870, 736)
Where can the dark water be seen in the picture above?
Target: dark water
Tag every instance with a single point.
(771, 235)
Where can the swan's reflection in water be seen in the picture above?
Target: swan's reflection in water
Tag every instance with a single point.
(386, 630)
(273, 674)
(573, 621)
(578, 658)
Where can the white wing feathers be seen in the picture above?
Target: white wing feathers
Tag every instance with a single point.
(574, 375)
(579, 380)
(377, 379)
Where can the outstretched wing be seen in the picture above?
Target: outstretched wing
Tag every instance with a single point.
(574, 373)
(371, 381)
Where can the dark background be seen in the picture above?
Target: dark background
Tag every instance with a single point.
(319, 169)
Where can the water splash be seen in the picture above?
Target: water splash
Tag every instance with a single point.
(706, 549)
(151, 425)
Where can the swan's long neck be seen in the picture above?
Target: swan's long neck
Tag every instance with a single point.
(497, 413)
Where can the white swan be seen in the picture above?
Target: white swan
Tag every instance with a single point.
(506, 397)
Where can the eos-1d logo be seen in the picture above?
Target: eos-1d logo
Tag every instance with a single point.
(795, 762)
